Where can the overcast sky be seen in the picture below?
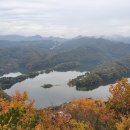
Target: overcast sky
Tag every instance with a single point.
(65, 17)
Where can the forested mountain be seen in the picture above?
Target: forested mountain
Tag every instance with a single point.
(89, 52)
(16, 56)
(81, 53)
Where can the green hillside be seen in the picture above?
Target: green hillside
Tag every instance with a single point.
(103, 75)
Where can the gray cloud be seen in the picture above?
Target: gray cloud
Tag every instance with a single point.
(65, 18)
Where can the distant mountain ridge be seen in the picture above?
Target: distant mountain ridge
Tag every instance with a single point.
(28, 38)
(119, 38)
(83, 53)
(20, 38)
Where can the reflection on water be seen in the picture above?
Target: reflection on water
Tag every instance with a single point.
(60, 92)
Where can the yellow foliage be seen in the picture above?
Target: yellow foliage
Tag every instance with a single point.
(120, 96)
(124, 124)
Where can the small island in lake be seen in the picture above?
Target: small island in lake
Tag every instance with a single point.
(47, 86)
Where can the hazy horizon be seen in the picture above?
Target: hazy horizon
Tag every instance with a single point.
(65, 18)
(108, 37)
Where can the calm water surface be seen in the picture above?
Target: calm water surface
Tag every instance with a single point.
(11, 74)
(60, 92)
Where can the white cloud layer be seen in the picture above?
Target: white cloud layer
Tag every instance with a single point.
(65, 18)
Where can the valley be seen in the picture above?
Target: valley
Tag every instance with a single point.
(77, 62)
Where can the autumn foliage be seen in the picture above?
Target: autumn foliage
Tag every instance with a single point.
(83, 114)
(18, 113)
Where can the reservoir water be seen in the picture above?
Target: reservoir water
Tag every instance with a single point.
(11, 74)
(60, 92)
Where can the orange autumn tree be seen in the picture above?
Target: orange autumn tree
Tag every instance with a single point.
(119, 101)
(18, 113)
(120, 97)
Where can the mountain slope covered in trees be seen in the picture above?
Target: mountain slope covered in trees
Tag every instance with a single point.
(83, 53)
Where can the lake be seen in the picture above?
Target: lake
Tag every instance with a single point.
(11, 74)
(60, 92)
